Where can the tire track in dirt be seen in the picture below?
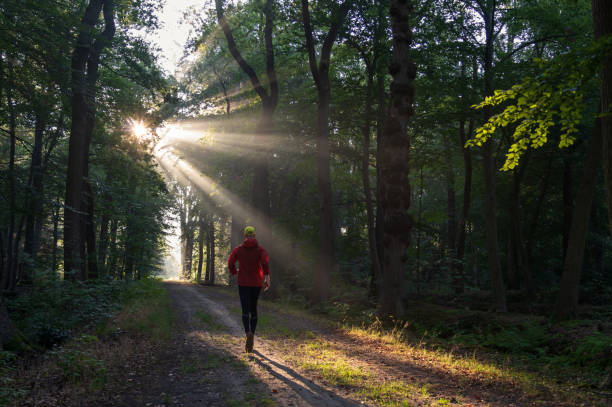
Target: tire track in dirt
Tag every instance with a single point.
(287, 386)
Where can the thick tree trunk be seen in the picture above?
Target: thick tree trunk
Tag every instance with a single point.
(602, 18)
(394, 164)
(566, 305)
(85, 62)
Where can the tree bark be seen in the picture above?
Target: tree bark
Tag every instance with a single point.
(201, 231)
(85, 63)
(320, 73)
(212, 250)
(394, 164)
(566, 305)
(602, 16)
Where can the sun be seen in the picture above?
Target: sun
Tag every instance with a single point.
(139, 129)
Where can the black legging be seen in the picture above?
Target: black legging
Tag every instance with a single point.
(248, 300)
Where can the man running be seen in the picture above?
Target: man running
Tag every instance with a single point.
(253, 273)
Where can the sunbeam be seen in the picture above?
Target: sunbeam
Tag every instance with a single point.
(279, 242)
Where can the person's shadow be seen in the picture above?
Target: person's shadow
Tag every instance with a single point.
(305, 388)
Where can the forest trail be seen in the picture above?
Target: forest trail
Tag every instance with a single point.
(210, 358)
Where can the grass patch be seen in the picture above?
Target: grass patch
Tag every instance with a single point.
(322, 359)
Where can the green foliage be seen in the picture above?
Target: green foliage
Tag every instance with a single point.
(8, 389)
(56, 310)
(555, 95)
(592, 351)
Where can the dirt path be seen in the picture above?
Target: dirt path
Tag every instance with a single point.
(211, 321)
(282, 383)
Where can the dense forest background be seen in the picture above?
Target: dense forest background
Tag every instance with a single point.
(388, 153)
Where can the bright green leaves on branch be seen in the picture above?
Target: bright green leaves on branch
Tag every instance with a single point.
(553, 96)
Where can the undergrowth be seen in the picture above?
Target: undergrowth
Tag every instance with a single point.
(83, 348)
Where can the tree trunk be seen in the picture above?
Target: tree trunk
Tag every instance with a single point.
(320, 73)
(460, 272)
(451, 210)
(365, 175)
(490, 201)
(212, 250)
(381, 114)
(208, 251)
(7, 277)
(189, 253)
(602, 16)
(394, 164)
(56, 219)
(520, 245)
(261, 194)
(201, 240)
(90, 225)
(566, 305)
(85, 62)
(103, 242)
(34, 199)
(112, 248)
(7, 328)
(513, 278)
(568, 202)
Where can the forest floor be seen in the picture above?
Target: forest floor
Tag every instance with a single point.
(299, 360)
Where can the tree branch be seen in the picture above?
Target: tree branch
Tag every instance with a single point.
(312, 59)
(257, 86)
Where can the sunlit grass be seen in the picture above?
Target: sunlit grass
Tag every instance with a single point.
(331, 365)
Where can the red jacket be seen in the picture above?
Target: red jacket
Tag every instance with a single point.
(253, 262)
